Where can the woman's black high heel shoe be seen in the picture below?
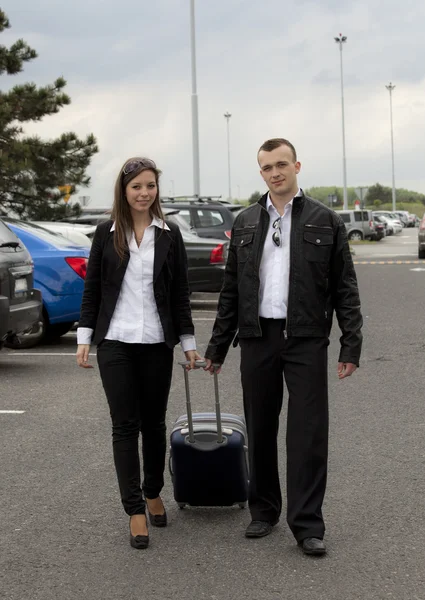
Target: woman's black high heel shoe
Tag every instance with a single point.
(157, 520)
(140, 542)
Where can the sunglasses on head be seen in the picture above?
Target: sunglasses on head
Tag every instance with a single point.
(135, 164)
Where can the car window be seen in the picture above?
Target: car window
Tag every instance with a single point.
(345, 217)
(181, 222)
(209, 218)
(185, 214)
(7, 236)
(358, 215)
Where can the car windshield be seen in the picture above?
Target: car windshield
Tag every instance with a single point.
(55, 239)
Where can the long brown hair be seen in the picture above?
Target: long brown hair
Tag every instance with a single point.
(121, 213)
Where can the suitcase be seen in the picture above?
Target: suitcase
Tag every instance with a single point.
(208, 455)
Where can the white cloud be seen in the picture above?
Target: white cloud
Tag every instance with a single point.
(276, 71)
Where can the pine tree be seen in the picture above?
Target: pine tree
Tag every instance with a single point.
(32, 169)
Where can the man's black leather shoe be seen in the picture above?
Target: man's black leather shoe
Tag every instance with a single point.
(313, 546)
(257, 529)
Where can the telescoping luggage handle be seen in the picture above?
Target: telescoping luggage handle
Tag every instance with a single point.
(200, 364)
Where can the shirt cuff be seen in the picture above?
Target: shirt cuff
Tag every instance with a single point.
(84, 335)
(188, 342)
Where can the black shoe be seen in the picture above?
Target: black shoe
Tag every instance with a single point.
(313, 546)
(140, 542)
(257, 529)
(158, 520)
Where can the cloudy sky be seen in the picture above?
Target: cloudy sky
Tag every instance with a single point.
(273, 65)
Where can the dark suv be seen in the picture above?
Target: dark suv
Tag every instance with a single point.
(209, 218)
(20, 304)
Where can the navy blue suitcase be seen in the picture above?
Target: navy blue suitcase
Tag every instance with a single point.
(208, 456)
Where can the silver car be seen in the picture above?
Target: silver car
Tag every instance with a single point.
(358, 223)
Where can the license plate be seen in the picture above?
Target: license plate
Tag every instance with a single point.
(21, 286)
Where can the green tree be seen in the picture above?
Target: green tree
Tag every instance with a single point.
(31, 169)
(378, 192)
(377, 203)
(254, 197)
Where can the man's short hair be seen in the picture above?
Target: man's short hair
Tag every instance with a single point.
(274, 143)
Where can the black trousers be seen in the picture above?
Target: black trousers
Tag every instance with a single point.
(303, 362)
(136, 379)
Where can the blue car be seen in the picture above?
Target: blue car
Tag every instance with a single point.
(59, 271)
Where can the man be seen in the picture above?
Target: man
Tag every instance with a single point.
(289, 268)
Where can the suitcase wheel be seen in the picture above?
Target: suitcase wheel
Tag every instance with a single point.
(242, 504)
(181, 505)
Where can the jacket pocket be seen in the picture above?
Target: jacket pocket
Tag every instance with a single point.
(243, 243)
(318, 245)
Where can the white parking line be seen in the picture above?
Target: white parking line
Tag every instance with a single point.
(12, 412)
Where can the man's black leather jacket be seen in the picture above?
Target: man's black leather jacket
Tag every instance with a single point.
(322, 280)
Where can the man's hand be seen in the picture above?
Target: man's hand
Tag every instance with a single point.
(193, 356)
(83, 356)
(209, 367)
(345, 370)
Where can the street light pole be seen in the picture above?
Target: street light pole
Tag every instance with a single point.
(390, 88)
(341, 39)
(227, 116)
(195, 127)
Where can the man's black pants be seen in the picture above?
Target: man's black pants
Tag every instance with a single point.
(136, 379)
(303, 362)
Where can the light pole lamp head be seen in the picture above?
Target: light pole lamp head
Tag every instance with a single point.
(390, 87)
(227, 115)
(341, 39)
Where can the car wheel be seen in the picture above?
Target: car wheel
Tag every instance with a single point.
(355, 236)
(57, 330)
(421, 253)
(30, 338)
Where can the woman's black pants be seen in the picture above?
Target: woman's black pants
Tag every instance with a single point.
(136, 379)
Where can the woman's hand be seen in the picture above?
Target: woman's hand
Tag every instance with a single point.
(83, 356)
(193, 356)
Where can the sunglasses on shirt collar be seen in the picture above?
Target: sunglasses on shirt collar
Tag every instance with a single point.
(277, 234)
(135, 164)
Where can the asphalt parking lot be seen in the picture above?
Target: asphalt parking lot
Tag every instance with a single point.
(63, 533)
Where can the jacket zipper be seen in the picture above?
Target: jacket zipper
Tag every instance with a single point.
(291, 253)
(263, 240)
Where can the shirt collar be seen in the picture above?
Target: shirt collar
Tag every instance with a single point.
(270, 204)
(155, 223)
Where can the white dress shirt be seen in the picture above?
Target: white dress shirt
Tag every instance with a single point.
(136, 319)
(274, 268)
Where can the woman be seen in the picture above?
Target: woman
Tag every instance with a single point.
(136, 307)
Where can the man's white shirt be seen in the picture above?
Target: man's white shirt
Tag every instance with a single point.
(275, 264)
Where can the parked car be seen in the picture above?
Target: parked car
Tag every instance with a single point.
(403, 216)
(380, 231)
(392, 218)
(209, 218)
(359, 224)
(75, 233)
(20, 303)
(88, 218)
(413, 219)
(59, 271)
(206, 257)
(421, 238)
(383, 221)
